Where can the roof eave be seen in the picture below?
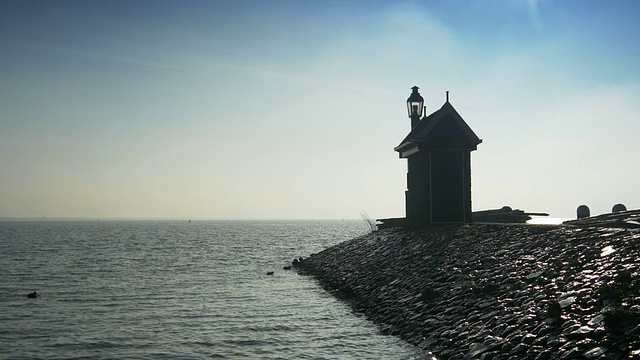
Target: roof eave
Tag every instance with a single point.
(407, 148)
(403, 145)
(409, 151)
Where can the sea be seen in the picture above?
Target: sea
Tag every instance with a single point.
(177, 290)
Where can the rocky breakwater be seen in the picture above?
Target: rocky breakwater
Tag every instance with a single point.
(494, 291)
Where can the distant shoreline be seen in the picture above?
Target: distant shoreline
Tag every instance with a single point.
(6, 219)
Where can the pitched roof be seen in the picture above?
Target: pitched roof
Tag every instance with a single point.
(423, 131)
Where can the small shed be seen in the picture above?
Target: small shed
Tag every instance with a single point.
(438, 150)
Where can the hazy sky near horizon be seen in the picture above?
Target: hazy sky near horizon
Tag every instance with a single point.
(291, 109)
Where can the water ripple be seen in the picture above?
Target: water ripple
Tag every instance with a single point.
(165, 290)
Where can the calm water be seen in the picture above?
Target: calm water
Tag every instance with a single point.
(170, 289)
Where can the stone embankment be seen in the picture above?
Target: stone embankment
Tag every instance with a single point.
(494, 291)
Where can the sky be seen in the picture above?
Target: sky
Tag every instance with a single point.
(291, 109)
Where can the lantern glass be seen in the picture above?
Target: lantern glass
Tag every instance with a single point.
(414, 108)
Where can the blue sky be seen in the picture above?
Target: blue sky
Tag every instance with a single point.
(291, 109)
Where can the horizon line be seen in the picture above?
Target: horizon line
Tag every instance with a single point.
(84, 218)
